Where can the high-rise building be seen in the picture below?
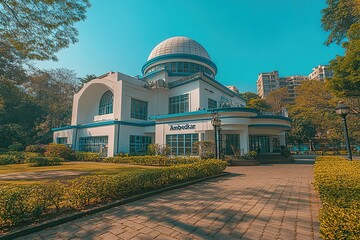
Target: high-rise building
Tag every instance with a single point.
(267, 82)
(292, 82)
(321, 73)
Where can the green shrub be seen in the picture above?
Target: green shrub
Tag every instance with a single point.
(205, 149)
(40, 148)
(43, 161)
(156, 149)
(19, 205)
(7, 159)
(252, 155)
(60, 150)
(87, 156)
(338, 182)
(16, 147)
(152, 160)
(18, 156)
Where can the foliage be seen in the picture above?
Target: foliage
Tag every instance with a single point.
(251, 155)
(43, 161)
(6, 159)
(338, 17)
(151, 160)
(19, 114)
(19, 205)
(16, 147)
(87, 156)
(278, 99)
(259, 104)
(205, 149)
(87, 78)
(54, 91)
(157, 149)
(285, 151)
(60, 150)
(346, 77)
(338, 182)
(249, 96)
(39, 148)
(39, 29)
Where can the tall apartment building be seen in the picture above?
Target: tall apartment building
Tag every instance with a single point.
(268, 82)
(292, 82)
(321, 73)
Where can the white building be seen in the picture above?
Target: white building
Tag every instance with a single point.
(321, 73)
(171, 104)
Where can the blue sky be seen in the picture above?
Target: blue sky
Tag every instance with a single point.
(243, 37)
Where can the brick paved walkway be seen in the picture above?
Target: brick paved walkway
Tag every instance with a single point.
(257, 202)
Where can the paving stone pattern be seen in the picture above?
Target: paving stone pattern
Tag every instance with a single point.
(255, 202)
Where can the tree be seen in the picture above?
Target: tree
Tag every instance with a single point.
(249, 95)
(37, 29)
(87, 78)
(338, 17)
(54, 90)
(346, 77)
(19, 114)
(258, 104)
(278, 99)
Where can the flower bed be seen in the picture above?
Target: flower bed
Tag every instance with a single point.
(338, 182)
(24, 204)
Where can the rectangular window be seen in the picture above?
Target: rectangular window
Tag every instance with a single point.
(139, 144)
(182, 144)
(212, 103)
(139, 109)
(179, 104)
(94, 144)
(61, 140)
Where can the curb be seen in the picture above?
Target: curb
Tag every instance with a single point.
(28, 230)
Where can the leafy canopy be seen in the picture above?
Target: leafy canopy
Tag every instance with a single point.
(37, 29)
(346, 77)
(338, 17)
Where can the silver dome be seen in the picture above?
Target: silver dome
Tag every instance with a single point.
(179, 45)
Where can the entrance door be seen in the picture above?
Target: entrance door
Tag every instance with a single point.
(259, 144)
(230, 141)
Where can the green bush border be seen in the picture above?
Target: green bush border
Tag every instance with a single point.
(337, 181)
(23, 204)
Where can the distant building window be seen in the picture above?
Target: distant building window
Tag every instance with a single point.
(182, 144)
(139, 144)
(106, 103)
(212, 103)
(139, 109)
(179, 104)
(61, 140)
(94, 144)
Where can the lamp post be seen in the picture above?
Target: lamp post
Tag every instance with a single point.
(216, 122)
(344, 110)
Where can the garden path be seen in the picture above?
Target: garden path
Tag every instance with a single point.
(253, 202)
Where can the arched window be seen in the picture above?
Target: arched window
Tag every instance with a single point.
(106, 103)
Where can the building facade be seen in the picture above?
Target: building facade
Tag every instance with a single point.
(171, 104)
(321, 73)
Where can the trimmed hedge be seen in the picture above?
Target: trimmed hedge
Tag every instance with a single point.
(60, 150)
(43, 161)
(338, 182)
(24, 204)
(16, 157)
(152, 160)
(87, 156)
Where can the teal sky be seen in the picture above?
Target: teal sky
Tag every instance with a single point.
(243, 37)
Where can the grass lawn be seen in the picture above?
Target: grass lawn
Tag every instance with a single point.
(23, 174)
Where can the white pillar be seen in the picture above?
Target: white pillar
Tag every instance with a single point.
(244, 141)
